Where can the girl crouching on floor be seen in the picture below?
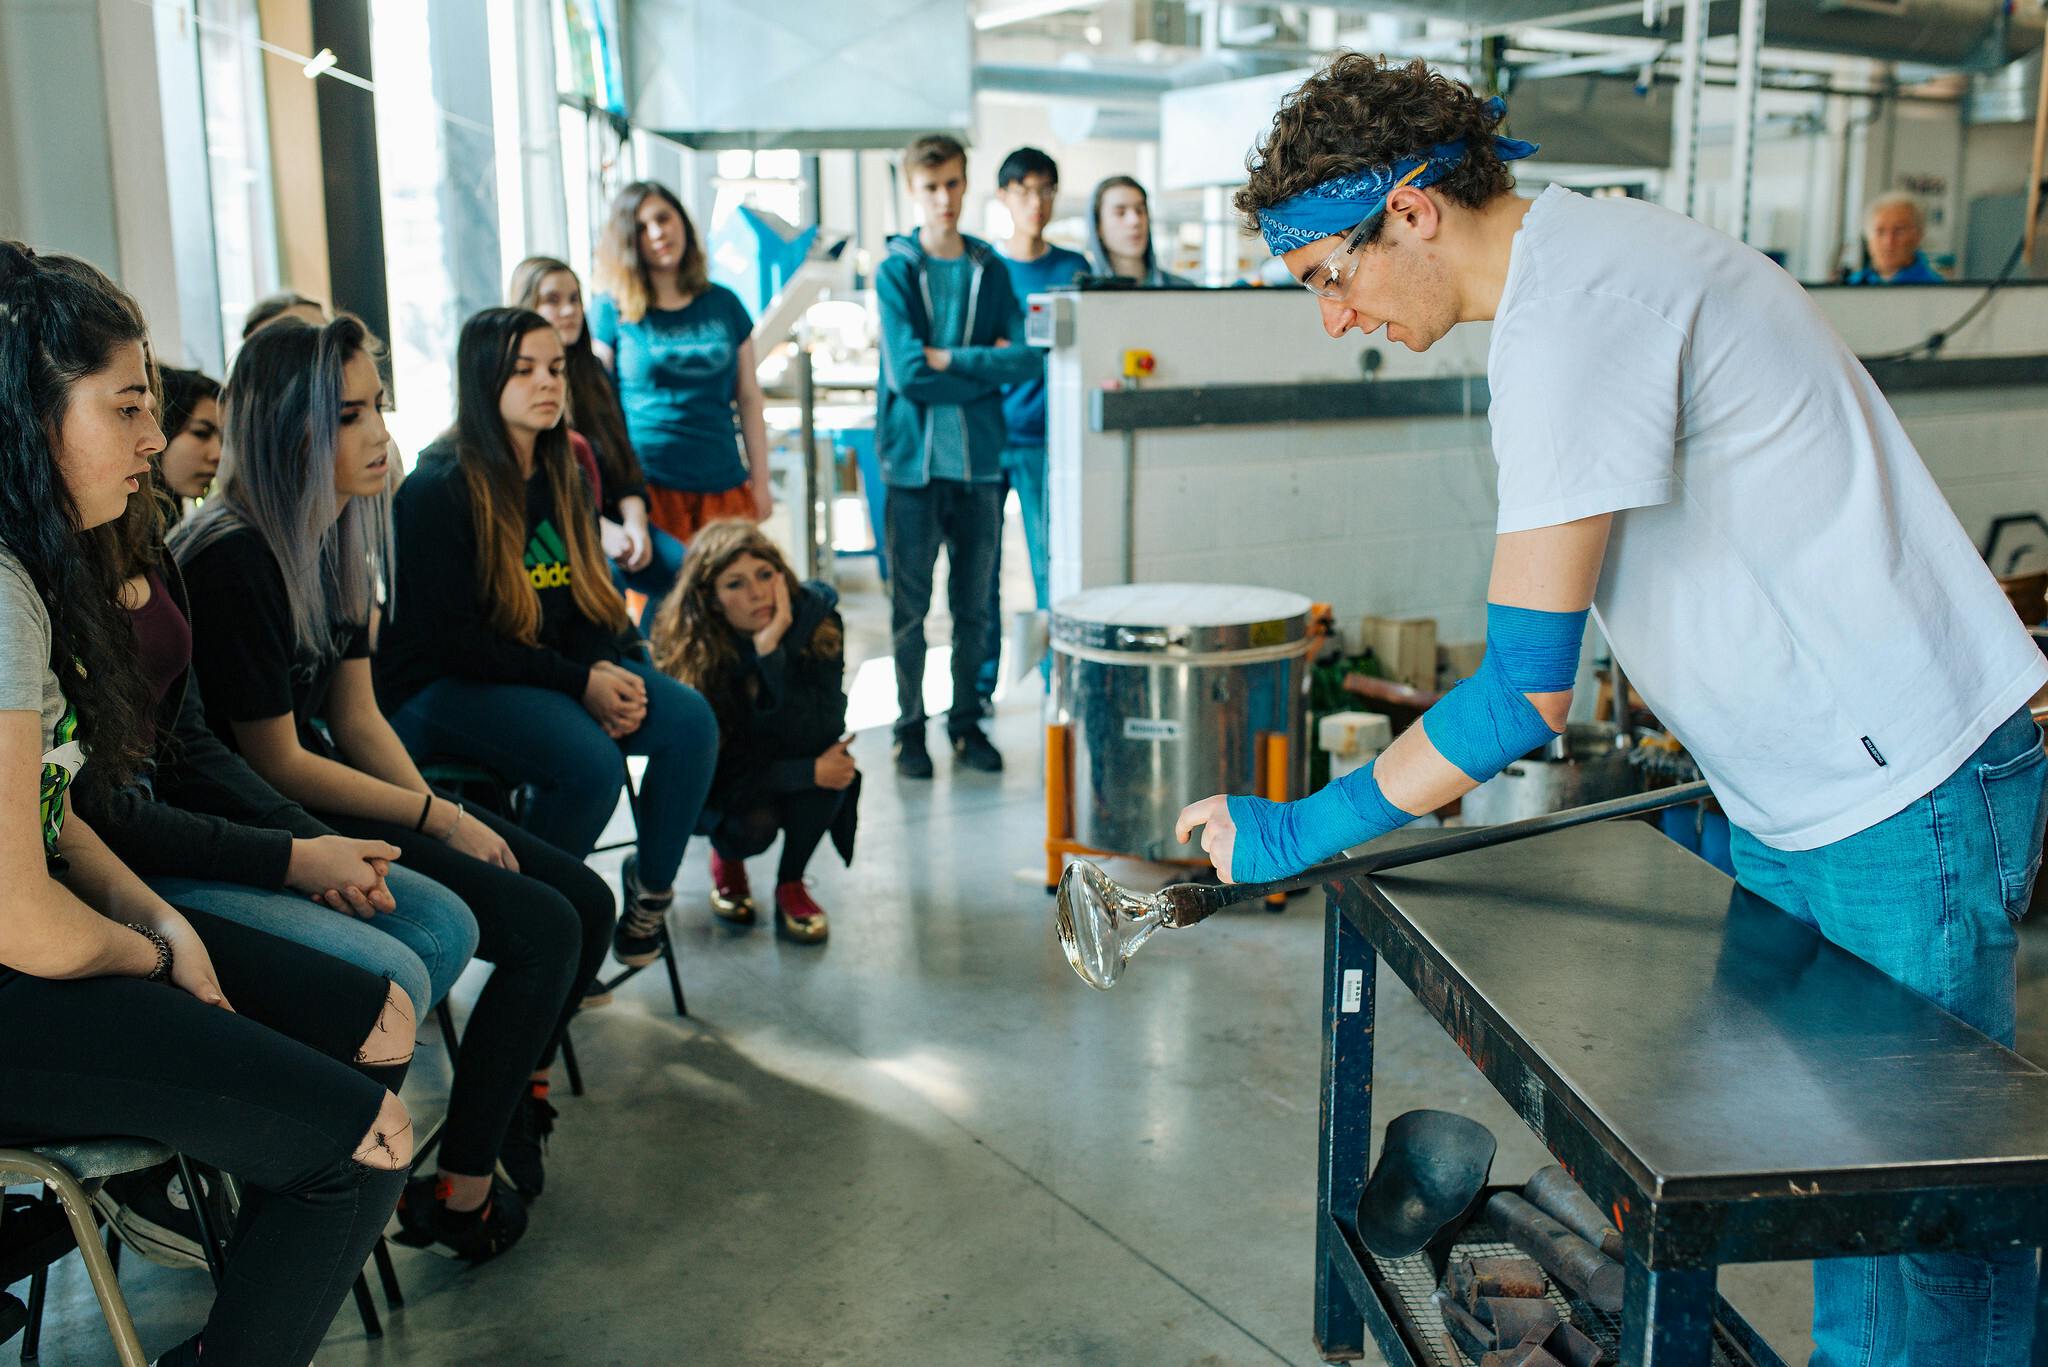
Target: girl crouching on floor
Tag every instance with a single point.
(768, 653)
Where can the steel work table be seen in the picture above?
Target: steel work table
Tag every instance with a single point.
(1728, 1085)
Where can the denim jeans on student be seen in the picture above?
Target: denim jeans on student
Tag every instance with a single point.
(1930, 897)
(423, 946)
(543, 737)
(967, 519)
(1024, 469)
(658, 575)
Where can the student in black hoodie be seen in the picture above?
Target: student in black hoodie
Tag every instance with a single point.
(507, 644)
(769, 654)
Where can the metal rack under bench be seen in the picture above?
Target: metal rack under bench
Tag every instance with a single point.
(1727, 1084)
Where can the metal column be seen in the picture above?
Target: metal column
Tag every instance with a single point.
(1749, 44)
(1685, 119)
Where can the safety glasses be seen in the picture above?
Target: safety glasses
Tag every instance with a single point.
(1331, 279)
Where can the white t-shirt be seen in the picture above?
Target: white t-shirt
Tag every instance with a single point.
(1785, 585)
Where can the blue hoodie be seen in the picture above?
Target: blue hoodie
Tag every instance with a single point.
(911, 389)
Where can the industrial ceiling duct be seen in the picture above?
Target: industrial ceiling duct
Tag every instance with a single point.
(810, 74)
(1979, 34)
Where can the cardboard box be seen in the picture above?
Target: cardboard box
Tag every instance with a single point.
(1406, 648)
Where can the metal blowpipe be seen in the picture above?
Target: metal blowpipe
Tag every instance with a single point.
(1103, 923)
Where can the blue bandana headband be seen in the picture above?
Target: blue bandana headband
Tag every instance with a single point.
(1342, 203)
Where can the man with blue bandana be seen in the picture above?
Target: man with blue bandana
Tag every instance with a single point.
(1687, 450)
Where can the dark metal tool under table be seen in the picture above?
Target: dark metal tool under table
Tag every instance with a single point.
(1727, 1084)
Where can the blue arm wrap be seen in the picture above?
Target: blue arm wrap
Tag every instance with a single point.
(1485, 723)
(1275, 839)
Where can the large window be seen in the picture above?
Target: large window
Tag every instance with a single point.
(237, 159)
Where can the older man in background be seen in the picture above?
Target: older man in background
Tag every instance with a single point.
(1892, 229)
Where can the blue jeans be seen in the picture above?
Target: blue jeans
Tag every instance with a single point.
(1932, 898)
(1024, 469)
(541, 737)
(422, 946)
(658, 575)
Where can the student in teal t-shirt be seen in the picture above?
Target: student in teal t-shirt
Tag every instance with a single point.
(1028, 185)
(679, 349)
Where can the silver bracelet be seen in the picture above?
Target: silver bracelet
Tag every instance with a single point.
(163, 950)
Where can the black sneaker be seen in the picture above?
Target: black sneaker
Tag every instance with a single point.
(474, 1236)
(151, 1213)
(526, 1142)
(912, 759)
(971, 750)
(643, 929)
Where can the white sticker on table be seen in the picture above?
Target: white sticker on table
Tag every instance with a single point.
(1354, 991)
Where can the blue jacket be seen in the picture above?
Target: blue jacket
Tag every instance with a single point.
(974, 382)
(1918, 271)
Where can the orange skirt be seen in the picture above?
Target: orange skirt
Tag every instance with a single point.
(682, 514)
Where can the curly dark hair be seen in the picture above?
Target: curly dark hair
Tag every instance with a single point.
(1367, 111)
(61, 320)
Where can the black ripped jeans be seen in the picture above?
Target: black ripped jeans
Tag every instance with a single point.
(269, 1092)
(545, 931)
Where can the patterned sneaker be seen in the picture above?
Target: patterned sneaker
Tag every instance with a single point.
(732, 899)
(798, 916)
(151, 1213)
(643, 929)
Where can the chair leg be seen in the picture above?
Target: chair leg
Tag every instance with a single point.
(373, 1328)
(448, 1035)
(675, 979)
(209, 1242)
(32, 1336)
(78, 1210)
(569, 1063)
(428, 1142)
(386, 1273)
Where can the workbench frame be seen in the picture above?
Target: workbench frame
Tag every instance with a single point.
(1674, 1248)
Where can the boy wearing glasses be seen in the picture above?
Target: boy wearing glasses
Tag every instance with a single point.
(1675, 424)
(1027, 186)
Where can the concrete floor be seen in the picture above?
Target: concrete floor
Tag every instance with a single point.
(927, 1144)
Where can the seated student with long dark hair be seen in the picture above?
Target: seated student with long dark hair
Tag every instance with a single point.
(282, 565)
(644, 558)
(128, 1017)
(769, 654)
(508, 646)
(191, 423)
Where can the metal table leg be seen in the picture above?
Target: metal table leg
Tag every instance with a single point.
(1345, 1142)
(1667, 1317)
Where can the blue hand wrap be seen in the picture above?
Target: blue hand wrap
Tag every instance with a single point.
(1485, 723)
(1482, 726)
(1275, 839)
